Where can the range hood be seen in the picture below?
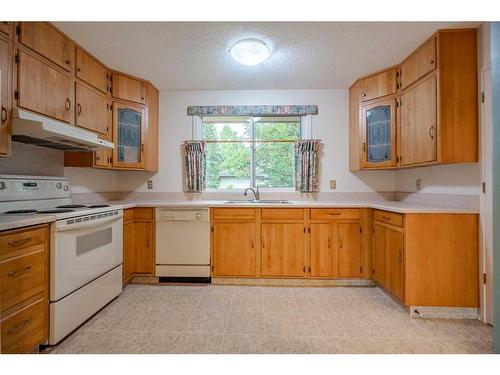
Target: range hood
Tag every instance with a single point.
(32, 128)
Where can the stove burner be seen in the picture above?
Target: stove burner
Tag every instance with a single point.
(55, 211)
(20, 212)
(97, 205)
(71, 206)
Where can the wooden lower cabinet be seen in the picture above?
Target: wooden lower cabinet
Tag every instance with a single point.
(349, 247)
(396, 263)
(283, 249)
(323, 255)
(24, 285)
(138, 242)
(235, 252)
(379, 254)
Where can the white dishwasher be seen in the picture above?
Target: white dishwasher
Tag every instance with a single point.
(183, 244)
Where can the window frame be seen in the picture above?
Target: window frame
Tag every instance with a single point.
(305, 127)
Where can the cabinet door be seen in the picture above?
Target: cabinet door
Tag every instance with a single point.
(128, 136)
(143, 247)
(349, 245)
(128, 249)
(49, 42)
(44, 89)
(379, 254)
(6, 27)
(128, 88)
(419, 123)
(104, 158)
(322, 250)
(378, 85)
(395, 261)
(419, 63)
(283, 249)
(5, 94)
(92, 71)
(379, 134)
(93, 110)
(234, 249)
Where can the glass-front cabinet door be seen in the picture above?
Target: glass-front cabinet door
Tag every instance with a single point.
(128, 135)
(379, 134)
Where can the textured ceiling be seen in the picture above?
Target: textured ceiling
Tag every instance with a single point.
(305, 55)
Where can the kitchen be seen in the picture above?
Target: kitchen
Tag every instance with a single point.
(221, 207)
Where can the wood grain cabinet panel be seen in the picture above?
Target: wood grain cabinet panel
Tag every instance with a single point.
(418, 125)
(395, 253)
(49, 42)
(334, 213)
(379, 85)
(283, 249)
(379, 254)
(389, 217)
(349, 245)
(234, 249)
(128, 88)
(6, 28)
(92, 71)
(93, 110)
(323, 250)
(128, 250)
(419, 63)
(44, 89)
(5, 95)
(143, 247)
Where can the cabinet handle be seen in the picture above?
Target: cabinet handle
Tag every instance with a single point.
(431, 132)
(17, 273)
(263, 242)
(341, 243)
(363, 95)
(19, 326)
(251, 241)
(67, 104)
(364, 147)
(400, 257)
(329, 243)
(388, 218)
(97, 158)
(4, 113)
(431, 62)
(67, 62)
(19, 242)
(78, 109)
(142, 147)
(333, 213)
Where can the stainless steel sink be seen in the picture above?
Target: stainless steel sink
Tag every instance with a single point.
(259, 201)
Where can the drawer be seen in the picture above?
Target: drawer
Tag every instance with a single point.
(283, 213)
(143, 213)
(25, 329)
(389, 217)
(22, 239)
(335, 213)
(22, 277)
(128, 214)
(233, 213)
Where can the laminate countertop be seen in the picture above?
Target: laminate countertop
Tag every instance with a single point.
(18, 221)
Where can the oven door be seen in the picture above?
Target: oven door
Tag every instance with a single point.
(82, 249)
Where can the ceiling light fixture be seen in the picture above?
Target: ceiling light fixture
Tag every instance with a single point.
(250, 51)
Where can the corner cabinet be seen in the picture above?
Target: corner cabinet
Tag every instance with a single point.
(128, 135)
(422, 112)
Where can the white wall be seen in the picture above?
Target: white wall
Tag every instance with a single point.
(331, 126)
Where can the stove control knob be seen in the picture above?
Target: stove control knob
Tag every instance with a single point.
(59, 185)
(66, 187)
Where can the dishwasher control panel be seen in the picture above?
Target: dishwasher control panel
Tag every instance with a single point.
(179, 214)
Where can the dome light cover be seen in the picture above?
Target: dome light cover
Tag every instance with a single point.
(250, 51)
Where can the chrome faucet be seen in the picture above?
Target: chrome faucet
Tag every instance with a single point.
(255, 192)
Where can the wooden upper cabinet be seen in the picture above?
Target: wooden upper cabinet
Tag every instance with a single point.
(349, 247)
(49, 42)
(153, 103)
(129, 133)
(91, 71)
(354, 126)
(323, 250)
(5, 95)
(234, 249)
(283, 249)
(6, 28)
(44, 89)
(128, 88)
(378, 85)
(93, 110)
(418, 123)
(419, 63)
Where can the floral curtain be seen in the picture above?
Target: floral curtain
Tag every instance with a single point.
(307, 165)
(195, 165)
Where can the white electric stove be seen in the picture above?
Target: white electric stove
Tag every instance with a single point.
(86, 247)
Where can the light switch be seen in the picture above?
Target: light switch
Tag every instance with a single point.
(150, 184)
(333, 184)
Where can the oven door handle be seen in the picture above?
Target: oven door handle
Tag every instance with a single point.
(90, 224)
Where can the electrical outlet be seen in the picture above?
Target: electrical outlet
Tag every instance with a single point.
(418, 184)
(150, 184)
(333, 184)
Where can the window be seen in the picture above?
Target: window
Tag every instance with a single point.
(247, 151)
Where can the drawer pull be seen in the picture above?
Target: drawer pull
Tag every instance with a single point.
(4, 113)
(67, 104)
(19, 242)
(329, 243)
(19, 326)
(333, 213)
(251, 241)
(388, 218)
(19, 273)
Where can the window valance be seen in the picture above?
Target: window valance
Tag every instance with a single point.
(252, 110)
